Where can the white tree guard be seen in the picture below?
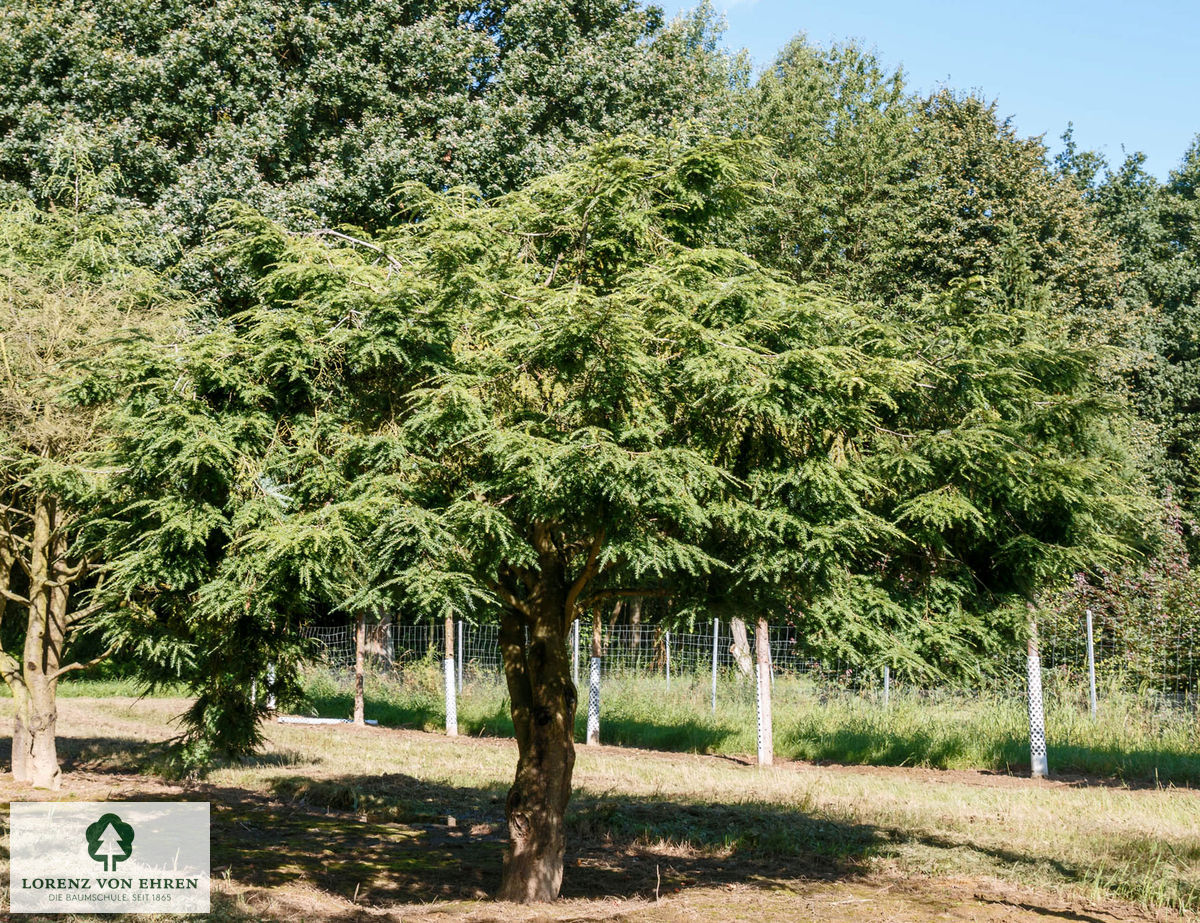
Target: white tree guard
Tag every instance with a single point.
(887, 685)
(762, 690)
(593, 719)
(451, 700)
(575, 652)
(271, 687)
(1039, 765)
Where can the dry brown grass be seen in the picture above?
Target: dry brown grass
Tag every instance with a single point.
(334, 823)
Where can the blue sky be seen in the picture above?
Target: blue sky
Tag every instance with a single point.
(1126, 74)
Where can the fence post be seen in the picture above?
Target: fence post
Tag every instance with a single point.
(716, 629)
(1039, 765)
(459, 663)
(1091, 655)
(667, 640)
(451, 692)
(360, 644)
(887, 684)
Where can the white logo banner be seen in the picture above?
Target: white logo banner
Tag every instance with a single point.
(109, 857)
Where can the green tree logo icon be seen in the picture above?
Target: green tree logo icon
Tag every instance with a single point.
(110, 840)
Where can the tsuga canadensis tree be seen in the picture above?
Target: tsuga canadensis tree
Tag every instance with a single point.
(525, 408)
(70, 293)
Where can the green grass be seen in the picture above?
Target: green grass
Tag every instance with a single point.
(1134, 739)
(71, 688)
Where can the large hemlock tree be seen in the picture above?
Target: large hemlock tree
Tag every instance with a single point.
(526, 407)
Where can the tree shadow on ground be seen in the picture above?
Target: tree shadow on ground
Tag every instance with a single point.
(398, 839)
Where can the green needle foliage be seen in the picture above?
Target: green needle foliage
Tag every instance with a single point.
(573, 384)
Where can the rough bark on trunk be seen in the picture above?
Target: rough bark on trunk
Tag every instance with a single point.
(762, 649)
(34, 681)
(635, 622)
(379, 646)
(543, 701)
(360, 645)
(741, 647)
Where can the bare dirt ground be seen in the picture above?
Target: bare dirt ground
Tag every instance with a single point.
(334, 823)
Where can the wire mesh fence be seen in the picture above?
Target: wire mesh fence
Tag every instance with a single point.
(1169, 671)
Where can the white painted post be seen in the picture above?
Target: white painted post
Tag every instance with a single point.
(1091, 655)
(667, 639)
(1039, 765)
(716, 629)
(451, 690)
(887, 684)
(459, 639)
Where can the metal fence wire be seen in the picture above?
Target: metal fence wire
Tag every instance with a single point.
(1170, 668)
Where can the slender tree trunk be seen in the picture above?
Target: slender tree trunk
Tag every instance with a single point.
(538, 673)
(635, 624)
(762, 649)
(37, 756)
(741, 647)
(360, 644)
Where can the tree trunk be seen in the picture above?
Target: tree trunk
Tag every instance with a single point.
(741, 647)
(635, 624)
(360, 645)
(44, 636)
(538, 672)
(762, 649)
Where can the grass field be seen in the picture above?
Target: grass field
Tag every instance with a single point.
(338, 823)
(1133, 740)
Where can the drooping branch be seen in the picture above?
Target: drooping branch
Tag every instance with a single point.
(13, 597)
(82, 666)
